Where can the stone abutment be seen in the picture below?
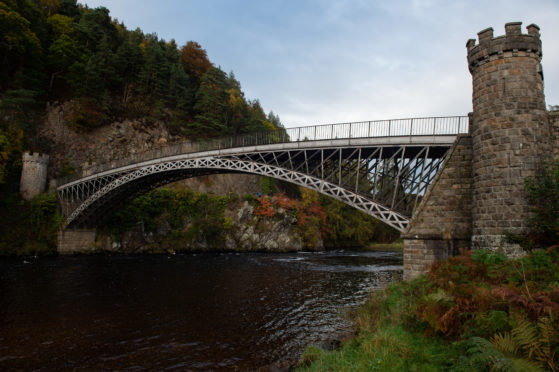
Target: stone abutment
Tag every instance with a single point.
(480, 194)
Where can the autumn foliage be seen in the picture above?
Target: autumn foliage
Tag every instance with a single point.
(310, 216)
(465, 290)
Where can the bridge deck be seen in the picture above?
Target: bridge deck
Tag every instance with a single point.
(447, 140)
(382, 168)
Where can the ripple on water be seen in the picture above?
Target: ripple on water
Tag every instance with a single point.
(196, 311)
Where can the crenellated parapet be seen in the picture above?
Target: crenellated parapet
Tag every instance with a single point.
(479, 197)
(513, 43)
(38, 158)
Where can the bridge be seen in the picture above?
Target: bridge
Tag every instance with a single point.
(380, 167)
(448, 183)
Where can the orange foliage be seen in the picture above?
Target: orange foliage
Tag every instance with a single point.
(537, 304)
(195, 60)
(461, 288)
(283, 201)
(265, 208)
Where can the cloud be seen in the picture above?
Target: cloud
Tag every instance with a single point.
(312, 61)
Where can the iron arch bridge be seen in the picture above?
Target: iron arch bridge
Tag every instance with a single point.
(380, 167)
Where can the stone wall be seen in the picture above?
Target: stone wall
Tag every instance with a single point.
(510, 131)
(442, 224)
(76, 241)
(33, 175)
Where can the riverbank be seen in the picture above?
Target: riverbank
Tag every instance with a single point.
(476, 312)
(397, 246)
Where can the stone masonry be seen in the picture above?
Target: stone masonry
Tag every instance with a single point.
(33, 175)
(510, 130)
(72, 241)
(480, 194)
(442, 224)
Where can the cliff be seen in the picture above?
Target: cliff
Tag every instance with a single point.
(70, 150)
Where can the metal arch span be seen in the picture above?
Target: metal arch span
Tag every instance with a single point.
(385, 181)
(392, 218)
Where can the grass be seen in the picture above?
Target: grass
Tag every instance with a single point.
(397, 246)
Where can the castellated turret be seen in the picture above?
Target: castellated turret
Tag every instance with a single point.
(510, 130)
(33, 175)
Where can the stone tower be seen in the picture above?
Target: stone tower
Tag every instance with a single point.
(33, 175)
(510, 130)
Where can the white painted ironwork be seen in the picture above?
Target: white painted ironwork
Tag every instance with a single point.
(383, 176)
(388, 216)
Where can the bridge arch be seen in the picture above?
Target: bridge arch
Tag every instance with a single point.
(175, 170)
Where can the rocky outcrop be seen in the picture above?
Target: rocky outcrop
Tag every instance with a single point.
(99, 145)
(247, 233)
(253, 234)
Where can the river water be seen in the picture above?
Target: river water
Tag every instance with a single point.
(182, 312)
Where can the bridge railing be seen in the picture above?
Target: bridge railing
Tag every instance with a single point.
(431, 126)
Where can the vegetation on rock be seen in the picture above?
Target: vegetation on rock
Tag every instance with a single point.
(202, 221)
(29, 228)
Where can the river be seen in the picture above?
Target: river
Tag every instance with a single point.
(207, 311)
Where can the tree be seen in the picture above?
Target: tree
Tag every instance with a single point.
(17, 42)
(62, 54)
(11, 147)
(195, 61)
(211, 106)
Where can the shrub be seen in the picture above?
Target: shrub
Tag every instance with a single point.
(543, 193)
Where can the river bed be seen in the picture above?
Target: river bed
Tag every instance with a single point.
(211, 311)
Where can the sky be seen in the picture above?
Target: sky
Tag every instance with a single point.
(330, 61)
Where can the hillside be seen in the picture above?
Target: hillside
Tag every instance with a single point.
(78, 85)
(60, 54)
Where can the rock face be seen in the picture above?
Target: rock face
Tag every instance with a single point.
(248, 233)
(68, 148)
(100, 145)
(251, 234)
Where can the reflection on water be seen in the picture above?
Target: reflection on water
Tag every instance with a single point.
(199, 312)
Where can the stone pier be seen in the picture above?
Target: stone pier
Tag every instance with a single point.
(72, 241)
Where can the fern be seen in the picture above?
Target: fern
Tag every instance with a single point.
(494, 356)
(441, 297)
(526, 336)
(530, 347)
(484, 355)
(505, 343)
(550, 342)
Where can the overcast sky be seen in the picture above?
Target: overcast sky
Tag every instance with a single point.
(319, 61)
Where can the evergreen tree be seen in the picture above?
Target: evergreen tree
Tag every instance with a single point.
(211, 105)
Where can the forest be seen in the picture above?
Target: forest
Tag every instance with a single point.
(59, 50)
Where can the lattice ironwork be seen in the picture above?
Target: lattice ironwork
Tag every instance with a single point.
(385, 181)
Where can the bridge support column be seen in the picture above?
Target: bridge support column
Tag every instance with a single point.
(76, 241)
(442, 225)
